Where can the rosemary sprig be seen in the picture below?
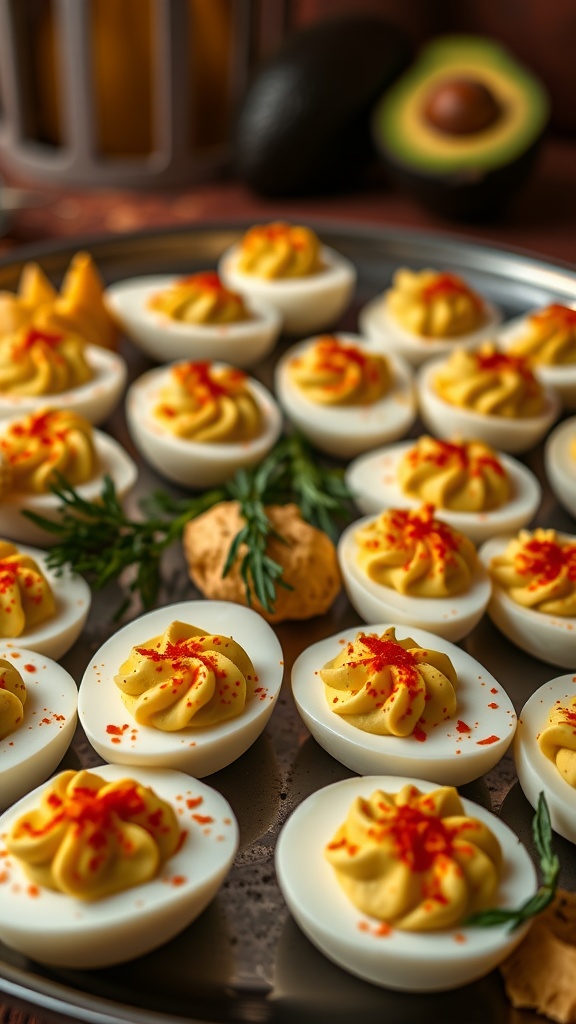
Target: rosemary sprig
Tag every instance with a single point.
(549, 869)
(98, 540)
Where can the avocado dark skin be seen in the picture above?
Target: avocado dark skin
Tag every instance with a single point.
(304, 125)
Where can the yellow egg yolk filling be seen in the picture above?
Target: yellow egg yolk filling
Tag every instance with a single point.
(416, 554)
(90, 838)
(209, 405)
(200, 299)
(550, 338)
(186, 678)
(390, 687)
(415, 861)
(490, 382)
(36, 362)
(48, 444)
(26, 598)
(538, 571)
(12, 698)
(558, 740)
(332, 372)
(434, 305)
(279, 250)
(461, 477)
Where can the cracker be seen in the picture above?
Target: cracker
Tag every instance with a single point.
(541, 973)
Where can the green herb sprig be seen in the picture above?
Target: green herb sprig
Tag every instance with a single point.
(549, 869)
(99, 541)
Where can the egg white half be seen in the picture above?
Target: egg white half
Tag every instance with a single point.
(194, 463)
(346, 430)
(164, 339)
(449, 617)
(96, 399)
(505, 434)
(32, 752)
(407, 961)
(306, 304)
(552, 638)
(373, 481)
(377, 323)
(536, 772)
(114, 462)
(560, 377)
(560, 463)
(116, 735)
(72, 596)
(453, 753)
(57, 929)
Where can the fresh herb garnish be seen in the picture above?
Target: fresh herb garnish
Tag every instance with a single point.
(98, 540)
(549, 869)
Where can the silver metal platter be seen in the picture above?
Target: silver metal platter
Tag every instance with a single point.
(244, 959)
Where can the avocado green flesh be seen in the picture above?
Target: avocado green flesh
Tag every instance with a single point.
(405, 135)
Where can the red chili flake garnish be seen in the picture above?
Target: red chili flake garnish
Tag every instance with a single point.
(501, 362)
(449, 285)
(545, 560)
(556, 315)
(205, 386)
(382, 930)
(34, 335)
(194, 802)
(459, 937)
(447, 453)
(177, 880)
(462, 727)
(419, 838)
(494, 689)
(116, 730)
(202, 819)
(419, 735)
(487, 741)
(183, 650)
(29, 668)
(207, 280)
(493, 705)
(568, 717)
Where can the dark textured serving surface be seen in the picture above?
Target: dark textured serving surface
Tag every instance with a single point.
(244, 959)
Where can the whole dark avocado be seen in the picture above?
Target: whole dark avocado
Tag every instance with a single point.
(304, 125)
(459, 130)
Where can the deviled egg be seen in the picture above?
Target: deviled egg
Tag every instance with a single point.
(412, 568)
(544, 746)
(476, 490)
(286, 266)
(49, 442)
(198, 422)
(190, 836)
(194, 317)
(487, 395)
(172, 704)
(37, 366)
(546, 338)
(344, 394)
(426, 314)
(533, 598)
(560, 463)
(34, 748)
(380, 700)
(39, 609)
(446, 957)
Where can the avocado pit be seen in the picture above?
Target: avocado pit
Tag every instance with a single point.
(461, 106)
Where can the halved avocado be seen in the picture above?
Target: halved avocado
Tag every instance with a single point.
(460, 128)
